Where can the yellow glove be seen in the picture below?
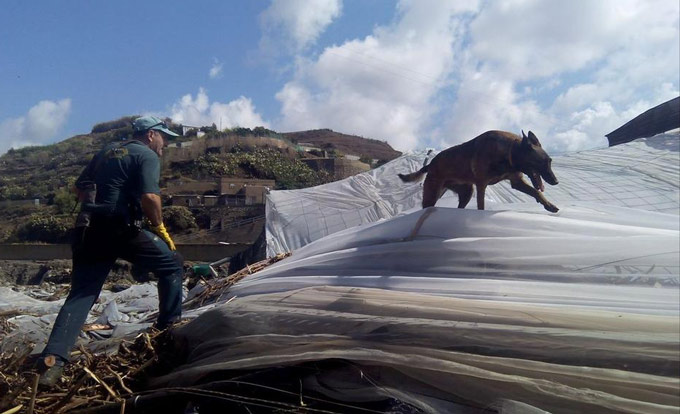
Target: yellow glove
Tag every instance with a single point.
(162, 232)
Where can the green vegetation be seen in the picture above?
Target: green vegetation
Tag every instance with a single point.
(256, 132)
(48, 172)
(179, 219)
(366, 159)
(45, 228)
(11, 191)
(124, 122)
(64, 201)
(264, 163)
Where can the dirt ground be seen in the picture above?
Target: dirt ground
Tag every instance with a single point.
(35, 272)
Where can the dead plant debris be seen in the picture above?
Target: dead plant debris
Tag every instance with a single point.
(217, 288)
(92, 380)
(89, 380)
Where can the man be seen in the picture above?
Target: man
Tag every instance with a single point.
(119, 186)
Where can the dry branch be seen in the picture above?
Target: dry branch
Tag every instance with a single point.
(80, 387)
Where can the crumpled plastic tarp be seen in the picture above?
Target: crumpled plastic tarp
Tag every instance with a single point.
(121, 310)
(570, 312)
(511, 309)
(642, 174)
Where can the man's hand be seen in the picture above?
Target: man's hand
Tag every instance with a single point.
(151, 206)
(162, 232)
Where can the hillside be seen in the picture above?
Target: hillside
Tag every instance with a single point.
(346, 144)
(48, 172)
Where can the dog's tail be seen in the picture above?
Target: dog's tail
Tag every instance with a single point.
(407, 178)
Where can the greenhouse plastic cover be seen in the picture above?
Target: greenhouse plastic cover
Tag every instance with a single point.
(440, 307)
(512, 309)
(642, 175)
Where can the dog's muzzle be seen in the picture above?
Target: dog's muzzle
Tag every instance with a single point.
(550, 178)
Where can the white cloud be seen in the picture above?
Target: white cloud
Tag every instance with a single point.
(382, 86)
(525, 39)
(485, 102)
(608, 61)
(583, 124)
(443, 72)
(38, 127)
(199, 111)
(216, 69)
(295, 24)
(586, 128)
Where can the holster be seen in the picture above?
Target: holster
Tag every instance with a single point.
(88, 191)
(136, 217)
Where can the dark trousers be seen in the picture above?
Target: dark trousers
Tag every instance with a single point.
(94, 253)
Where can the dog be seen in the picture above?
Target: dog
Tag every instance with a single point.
(485, 160)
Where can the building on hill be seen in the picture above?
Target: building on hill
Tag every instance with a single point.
(307, 147)
(244, 191)
(186, 200)
(232, 192)
(188, 186)
(184, 144)
(210, 200)
(187, 128)
(341, 168)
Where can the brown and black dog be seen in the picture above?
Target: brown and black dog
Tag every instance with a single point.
(486, 160)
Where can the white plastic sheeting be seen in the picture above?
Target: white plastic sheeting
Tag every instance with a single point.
(642, 174)
(511, 309)
(447, 308)
(603, 257)
(129, 310)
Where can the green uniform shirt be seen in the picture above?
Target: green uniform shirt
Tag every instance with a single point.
(122, 174)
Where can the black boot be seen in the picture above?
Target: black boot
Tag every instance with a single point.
(51, 368)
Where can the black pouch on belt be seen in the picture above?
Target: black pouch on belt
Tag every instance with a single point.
(89, 191)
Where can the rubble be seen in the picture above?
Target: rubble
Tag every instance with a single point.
(97, 379)
(90, 380)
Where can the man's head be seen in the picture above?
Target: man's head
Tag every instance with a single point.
(152, 131)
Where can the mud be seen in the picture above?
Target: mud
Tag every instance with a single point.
(36, 272)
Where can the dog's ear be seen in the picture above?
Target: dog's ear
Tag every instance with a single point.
(533, 139)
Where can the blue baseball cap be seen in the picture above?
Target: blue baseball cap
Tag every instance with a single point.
(146, 123)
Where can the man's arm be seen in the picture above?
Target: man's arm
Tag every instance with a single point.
(151, 206)
(83, 188)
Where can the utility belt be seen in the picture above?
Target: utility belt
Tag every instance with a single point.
(103, 219)
(95, 227)
(104, 212)
(104, 216)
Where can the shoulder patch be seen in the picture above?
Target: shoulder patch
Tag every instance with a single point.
(118, 153)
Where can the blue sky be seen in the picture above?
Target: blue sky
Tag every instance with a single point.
(415, 73)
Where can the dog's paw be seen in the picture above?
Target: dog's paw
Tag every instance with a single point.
(551, 208)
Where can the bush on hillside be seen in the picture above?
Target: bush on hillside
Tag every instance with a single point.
(123, 122)
(64, 201)
(48, 229)
(179, 219)
(259, 131)
(366, 159)
(12, 192)
(264, 163)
